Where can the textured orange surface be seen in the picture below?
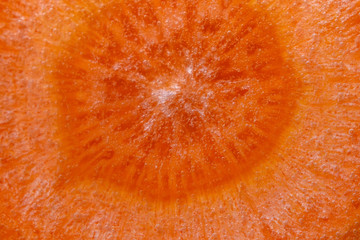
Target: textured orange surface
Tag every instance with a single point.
(167, 110)
(179, 119)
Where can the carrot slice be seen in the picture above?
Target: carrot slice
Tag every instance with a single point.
(164, 107)
(179, 119)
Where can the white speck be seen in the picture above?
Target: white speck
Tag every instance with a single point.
(148, 125)
(116, 66)
(164, 95)
(189, 70)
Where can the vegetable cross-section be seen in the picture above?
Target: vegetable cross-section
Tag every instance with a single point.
(166, 99)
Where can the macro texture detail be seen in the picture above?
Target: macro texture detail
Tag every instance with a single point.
(174, 119)
(165, 106)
